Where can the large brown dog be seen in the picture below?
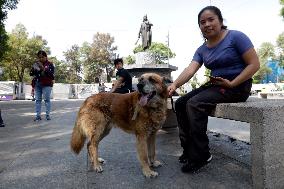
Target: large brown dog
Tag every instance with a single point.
(141, 113)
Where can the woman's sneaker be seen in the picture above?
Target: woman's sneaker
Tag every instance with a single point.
(183, 158)
(37, 118)
(195, 166)
(48, 117)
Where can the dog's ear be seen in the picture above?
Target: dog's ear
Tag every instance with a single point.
(167, 81)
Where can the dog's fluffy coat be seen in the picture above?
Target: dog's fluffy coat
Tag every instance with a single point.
(141, 113)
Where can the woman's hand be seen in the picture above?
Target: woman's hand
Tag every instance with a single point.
(171, 89)
(222, 82)
(41, 66)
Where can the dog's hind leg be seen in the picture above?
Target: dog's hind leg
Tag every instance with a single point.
(143, 156)
(151, 142)
(101, 130)
(93, 153)
(101, 160)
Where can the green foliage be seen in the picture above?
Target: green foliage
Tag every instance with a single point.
(207, 71)
(5, 5)
(161, 51)
(97, 57)
(261, 73)
(3, 40)
(61, 70)
(74, 64)
(282, 8)
(280, 45)
(129, 60)
(194, 82)
(22, 54)
(265, 52)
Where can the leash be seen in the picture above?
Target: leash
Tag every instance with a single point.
(172, 102)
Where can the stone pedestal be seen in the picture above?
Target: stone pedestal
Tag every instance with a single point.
(145, 62)
(136, 70)
(145, 58)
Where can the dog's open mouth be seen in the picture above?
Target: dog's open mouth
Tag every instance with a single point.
(145, 97)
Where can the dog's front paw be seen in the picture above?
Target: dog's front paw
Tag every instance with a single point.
(156, 163)
(101, 160)
(98, 169)
(150, 174)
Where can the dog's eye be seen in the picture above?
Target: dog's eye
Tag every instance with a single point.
(152, 80)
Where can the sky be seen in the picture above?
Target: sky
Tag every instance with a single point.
(64, 23)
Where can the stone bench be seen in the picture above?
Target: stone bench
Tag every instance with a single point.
(271, 95)
(266, 118)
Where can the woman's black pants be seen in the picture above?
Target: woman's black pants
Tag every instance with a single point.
(192, 112)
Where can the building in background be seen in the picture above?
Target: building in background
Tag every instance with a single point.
(277, 74)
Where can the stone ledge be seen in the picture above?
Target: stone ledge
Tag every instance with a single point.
(135, 66)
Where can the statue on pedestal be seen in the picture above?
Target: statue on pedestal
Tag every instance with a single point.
(146, 33)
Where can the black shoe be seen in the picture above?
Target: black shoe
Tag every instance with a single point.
(37, 118)
(2, 125)
(183, 158)
(195, 166)
(48, 117)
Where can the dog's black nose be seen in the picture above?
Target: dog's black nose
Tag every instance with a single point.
(139, 86)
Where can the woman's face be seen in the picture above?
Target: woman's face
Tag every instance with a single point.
(42, 58)
(209, 24)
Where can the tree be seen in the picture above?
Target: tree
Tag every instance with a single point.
(194, 82)
(129, 60)
(282, 9)
(280, 45)
(21, 54)
(5, 5)
(162, 52)
(98, 57)
(61, 71)
(74, 64)
(91, 69)
(265, 52)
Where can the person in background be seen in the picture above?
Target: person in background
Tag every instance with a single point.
(1, 120)
(102, 88)
(43, 73)
(232, 60)
(33, 89)
(123, 83)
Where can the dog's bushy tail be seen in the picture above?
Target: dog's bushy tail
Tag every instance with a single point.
(78, 139)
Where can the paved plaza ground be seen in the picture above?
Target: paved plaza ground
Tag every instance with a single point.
(37, 155)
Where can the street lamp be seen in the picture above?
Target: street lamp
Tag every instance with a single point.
(168, 44)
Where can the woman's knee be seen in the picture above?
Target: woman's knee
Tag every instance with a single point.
(179, 104)
(191, 103)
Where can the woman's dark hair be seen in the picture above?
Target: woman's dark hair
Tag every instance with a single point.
(216, 11)
(41, 52)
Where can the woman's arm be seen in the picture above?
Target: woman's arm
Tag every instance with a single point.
(49, 71)
(186, 75)
(251, 59)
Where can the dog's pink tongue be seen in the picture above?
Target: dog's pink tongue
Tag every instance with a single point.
(143, 100)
